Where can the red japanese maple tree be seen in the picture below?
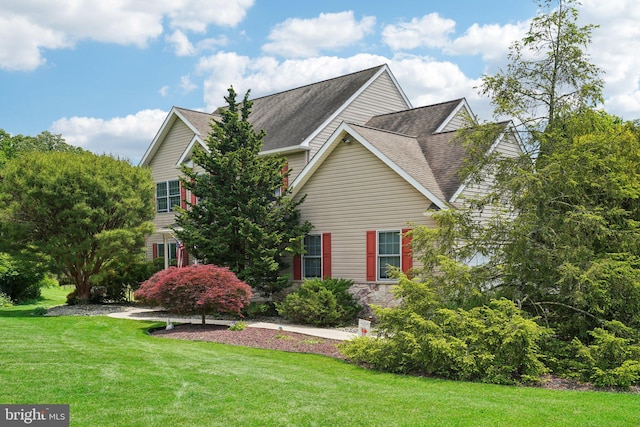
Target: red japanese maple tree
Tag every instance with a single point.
(196, 289)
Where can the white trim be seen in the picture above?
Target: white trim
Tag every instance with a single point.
(292, 148)
(330, 145)
(462, 104)
(384, 68)
(162, 133)
(187, 150)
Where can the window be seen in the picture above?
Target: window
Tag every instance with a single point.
(389, 252)
(167, 195)
(388, 248)
(316, 261)
(312, 259)
(172, 251)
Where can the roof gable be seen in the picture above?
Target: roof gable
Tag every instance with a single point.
(406, 162)
(290, 118)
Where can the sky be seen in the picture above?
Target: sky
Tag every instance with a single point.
(104, 74)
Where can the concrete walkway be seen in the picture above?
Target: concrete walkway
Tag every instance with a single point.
(162, 316)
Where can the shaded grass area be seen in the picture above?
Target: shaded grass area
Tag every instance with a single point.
(56, 295)
(113, 374)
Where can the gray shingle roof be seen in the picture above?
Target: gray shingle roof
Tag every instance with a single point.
(439, 151)
(289, 117)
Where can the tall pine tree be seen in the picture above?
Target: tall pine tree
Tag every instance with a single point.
(244, 218)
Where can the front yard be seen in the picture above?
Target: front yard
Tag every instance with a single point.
(112, 373)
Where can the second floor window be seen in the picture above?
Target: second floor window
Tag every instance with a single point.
(167, 195)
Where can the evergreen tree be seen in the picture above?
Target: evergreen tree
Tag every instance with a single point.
(244, 218)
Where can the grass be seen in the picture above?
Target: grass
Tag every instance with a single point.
(113, 374)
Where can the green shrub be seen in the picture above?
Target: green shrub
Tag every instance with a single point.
(259, 309)
(493, 343)
(5, 301)
(321, 303)
(238, 326)
(120, 280)
(612, 359)
(20, 280)
(72, 298)
(39, 311)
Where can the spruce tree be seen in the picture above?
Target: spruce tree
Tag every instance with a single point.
(244, 218)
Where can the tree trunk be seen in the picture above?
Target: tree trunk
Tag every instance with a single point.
(203, 318)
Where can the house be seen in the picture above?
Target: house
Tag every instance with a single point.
(369, 164)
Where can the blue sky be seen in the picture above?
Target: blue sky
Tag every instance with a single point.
(105, 74)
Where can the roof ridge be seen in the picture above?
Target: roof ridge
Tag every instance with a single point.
(318, 83)
(382, 130)
(192, 110)
(456, 101)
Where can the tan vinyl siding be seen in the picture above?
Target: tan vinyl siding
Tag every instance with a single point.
(163, 168)
(296, 162)
(508, 147)
(354, 192)
(459, 121)
(381, 97)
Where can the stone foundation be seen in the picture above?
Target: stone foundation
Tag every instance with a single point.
(374, 293)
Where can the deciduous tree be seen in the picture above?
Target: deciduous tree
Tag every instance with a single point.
(196, 289)
(79, 211)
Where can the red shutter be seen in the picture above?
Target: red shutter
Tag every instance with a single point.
(154, 250)
(194, 199)
(185, 257)
(326, 255)
(371, 256)
(407, 256)
(297, 267)
(183, 196)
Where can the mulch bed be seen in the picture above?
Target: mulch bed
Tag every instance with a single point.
(254, 337)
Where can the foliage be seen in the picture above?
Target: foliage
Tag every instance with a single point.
(20, 280)
(492, 343)
(39, 311)
(12, 146)
(78, 211)
(243, 219)
(5, 301)
(238, 326)
(549, 74)
(196, 289)
(612, 359)
(260, 309)
(321, 303)
(123, 277)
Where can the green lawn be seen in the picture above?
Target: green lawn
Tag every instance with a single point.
(113, 374)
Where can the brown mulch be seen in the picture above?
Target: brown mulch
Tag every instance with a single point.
(254, 337)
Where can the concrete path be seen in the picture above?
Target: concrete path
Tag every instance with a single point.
(161, 316)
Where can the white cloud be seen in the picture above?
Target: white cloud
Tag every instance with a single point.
(29, 26)
(164, 91)
(491, 41)
(615, 48)
(180, 43)
(296, 38)
(127, 136)
(431, 31)
(187, 85)
(22, 41)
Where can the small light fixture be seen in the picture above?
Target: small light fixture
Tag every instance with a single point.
(347, 139)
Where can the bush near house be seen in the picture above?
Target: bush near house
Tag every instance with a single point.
(321, 303)
(196, 289)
